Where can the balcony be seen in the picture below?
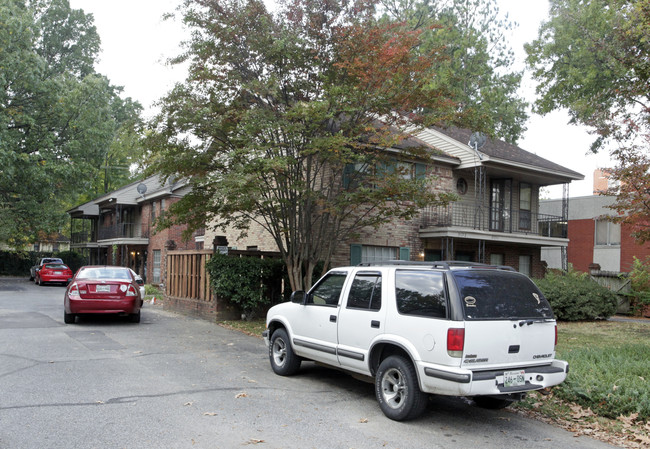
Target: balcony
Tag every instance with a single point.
(82, 237)
(502, 220)
(122, 231)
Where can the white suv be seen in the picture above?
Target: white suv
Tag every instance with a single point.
(449, 328)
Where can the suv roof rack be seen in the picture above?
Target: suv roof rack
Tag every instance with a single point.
(444, 264)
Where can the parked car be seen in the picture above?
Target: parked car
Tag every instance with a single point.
(102, 290)
(43, 261)
(140, 282)
(53, 273)
(447, 328)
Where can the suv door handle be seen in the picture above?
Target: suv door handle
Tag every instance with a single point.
(332, 318)
(374, 324)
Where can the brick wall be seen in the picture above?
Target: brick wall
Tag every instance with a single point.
(630, 248)
(580, 251)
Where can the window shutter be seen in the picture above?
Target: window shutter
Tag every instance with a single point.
(420, 171)
(355, 254)
(405, 253)
(348, 170)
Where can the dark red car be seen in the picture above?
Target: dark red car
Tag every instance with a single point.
(104, 290)
(53, 272)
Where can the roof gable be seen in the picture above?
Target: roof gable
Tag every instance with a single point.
(455, 141)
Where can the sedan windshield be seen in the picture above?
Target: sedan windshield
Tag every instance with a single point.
(496, 294)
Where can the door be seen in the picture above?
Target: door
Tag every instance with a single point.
(497, 204)
(361, 320)
(315, 330)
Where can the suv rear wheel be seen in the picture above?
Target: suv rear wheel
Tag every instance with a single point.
(283, 360)
(397, 389)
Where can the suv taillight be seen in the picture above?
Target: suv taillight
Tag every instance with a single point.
(455, 342)
(556, 334)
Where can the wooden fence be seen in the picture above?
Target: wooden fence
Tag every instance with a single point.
(187, 276)
(187, 284)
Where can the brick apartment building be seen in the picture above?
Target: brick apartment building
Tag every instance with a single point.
(119, 228)
(496, 219)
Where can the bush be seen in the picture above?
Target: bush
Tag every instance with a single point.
(250, 283)
(574, 296)
(640, 285)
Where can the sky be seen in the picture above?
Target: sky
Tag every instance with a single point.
(136, 42)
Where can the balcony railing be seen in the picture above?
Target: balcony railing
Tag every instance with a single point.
(493, 219)
(122, 230)
(83, 237)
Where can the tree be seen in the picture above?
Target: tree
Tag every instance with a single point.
(593, 58)
(57, 116)
(285, 119)
(478, 67)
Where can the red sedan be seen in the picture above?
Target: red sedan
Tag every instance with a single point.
(104, 290)
(53, 272)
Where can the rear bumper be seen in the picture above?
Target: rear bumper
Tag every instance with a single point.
(63, 279)
(119, 306)
(462, 382)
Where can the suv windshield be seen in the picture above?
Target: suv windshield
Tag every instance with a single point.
(501, 295)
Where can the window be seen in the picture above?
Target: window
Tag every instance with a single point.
(162, 208)
(156, 266)
(420, 293)
(328, 291)
(365, 292)
(153, 212)
(607, 232)
(461, 186)
(525, 201)
(354, 174)
(378, 253)
(496, 259)
(490, 294)
(525, 265)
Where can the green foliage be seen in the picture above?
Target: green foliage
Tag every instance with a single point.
(574, 296)
(610, 382)
(58, 116)
(640, 284)
(72, 259)
(478, 66)
(250, 283)
(591, 57)
(152, 290)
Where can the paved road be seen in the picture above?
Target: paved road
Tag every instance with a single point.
(177, 382)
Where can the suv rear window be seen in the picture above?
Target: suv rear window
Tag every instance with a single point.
(500, 295)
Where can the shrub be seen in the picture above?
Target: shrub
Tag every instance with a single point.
(640, 284)
(250, 283)
(574, 296)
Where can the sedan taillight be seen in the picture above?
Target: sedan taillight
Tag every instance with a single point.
(131, 291)
(455, 342)
(74, 290)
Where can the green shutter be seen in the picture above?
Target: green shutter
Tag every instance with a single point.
(355, 254)
(348, 171)
(405, 253)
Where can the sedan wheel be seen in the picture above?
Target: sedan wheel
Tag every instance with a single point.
(69, 318)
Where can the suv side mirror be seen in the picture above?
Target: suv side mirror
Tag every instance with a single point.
(298, 297)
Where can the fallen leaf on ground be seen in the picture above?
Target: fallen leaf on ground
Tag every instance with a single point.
(363, 420)
(209, 414)
(241, 395)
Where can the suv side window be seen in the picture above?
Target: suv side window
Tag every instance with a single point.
(365, 292)
(420, 293)
(328, 291)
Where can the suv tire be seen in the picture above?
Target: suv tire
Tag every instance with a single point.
(397, 389)
(283, 360)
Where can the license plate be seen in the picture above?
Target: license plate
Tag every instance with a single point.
(103, 288)
(514, 378)
(58, 272)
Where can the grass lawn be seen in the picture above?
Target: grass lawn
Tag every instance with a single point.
(607, 392)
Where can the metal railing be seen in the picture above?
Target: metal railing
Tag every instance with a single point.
(485, 218)
(121, 230)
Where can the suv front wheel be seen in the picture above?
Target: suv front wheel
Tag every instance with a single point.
(397, 389)
(283, 360)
